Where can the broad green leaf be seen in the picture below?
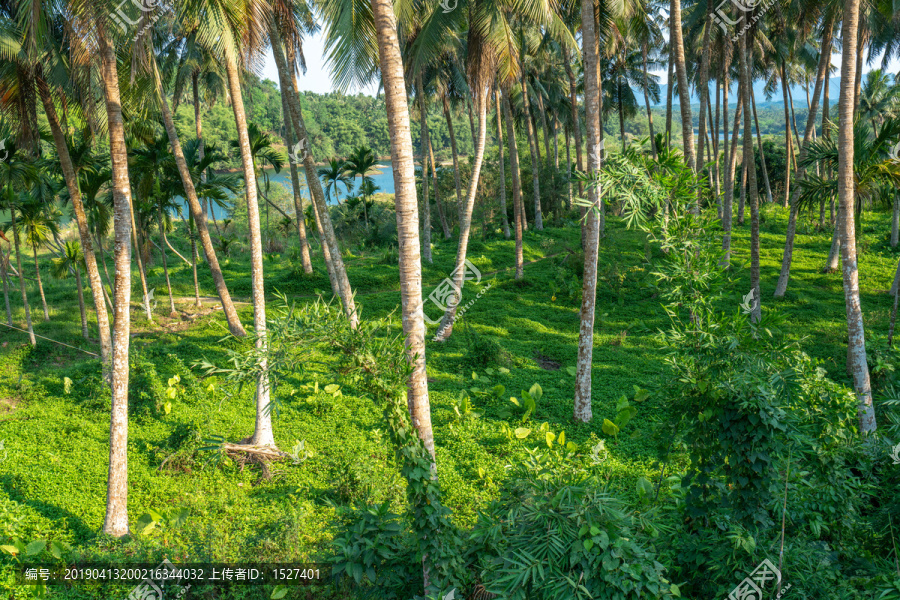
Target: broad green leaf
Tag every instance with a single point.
(522, 432)
(588, 544)
(279, 592)
(9, 549)
(474, 375)
(640, 395)
(562, 439)
(610, 428)
(503, 370)
(625, 415)
(331, 388)
(536, 392)
(549, 436)
(571, 371)
(675, 591)
(67, 385)
(644, 487)
(167, 407)
(35, 547)
(480, 472)
(56, 550)
(514, 401)
(171, 393)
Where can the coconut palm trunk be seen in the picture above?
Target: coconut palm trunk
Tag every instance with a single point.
(502, 166)
(84, 324)
(647, 98)
(856, 342)
(518, 203)
(730, 169)
(762, 155)
(576, 124)
(231, 316)
(423, 148)
(173, 314)
(704, 95)
(535, 159)
(407, 211)
(821, 76)
(449, 119)
(291, 139)
(21, 273)
(140, 261)
(788, 138)
(262, 434)
(116, 520)
(40, 283)
(582, 404)
(895, 221)
(684, 97)
(312, 178)
(670, 92)
(4, 274)
(750, 169)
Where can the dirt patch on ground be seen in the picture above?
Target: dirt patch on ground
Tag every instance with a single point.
(546, 363)
(7, 405)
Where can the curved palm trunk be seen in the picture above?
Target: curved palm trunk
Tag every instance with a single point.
(194, 258)
(730, 169)
(788, 138)
(84, 325)
(262, 434)
(290, 138)
(582, 404)
(426, 204)
(15, 229)
(518, 203)
(762, 155)
(140, 261)
(407, 221)
(312, 179)
(449, 119)
(856, 342)
(231, 316)
(756, 314)
(535, 159)
(703, 84)
(821, 75)
(162, 231)
(502, 165)
(465, 224)
(670, 92)
(40, 283)
(684, 97)
(116, 520)
(4, 260)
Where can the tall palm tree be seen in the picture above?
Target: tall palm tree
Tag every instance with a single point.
(676, 40)
(361, 163)
(407, 209)
(72, 261)
(333, 175)
(856, 343)
(39, 226)
(746, 85)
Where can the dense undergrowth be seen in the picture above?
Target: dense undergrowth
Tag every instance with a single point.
(495, 457)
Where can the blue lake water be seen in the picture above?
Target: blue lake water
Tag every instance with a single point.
(384, 180)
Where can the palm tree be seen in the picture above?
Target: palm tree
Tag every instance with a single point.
(407, 209)
(72, 261)
(676, 40)
(361, 163)
(17, 173)
(333, 175)
(39, 226)
(591, 240)
(856, 343)
(518, 203)
(746, 85)
(4, 275)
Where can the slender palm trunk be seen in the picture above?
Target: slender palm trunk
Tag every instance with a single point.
(84, 326)
(448, 117)
(312, 179)
(762, 155)
(291, 139)
(502, 165)
(162, 232)
(670, 92)
(231, 316)
(15, 229)
(407, 220)
(703, 84)
(742, 202)
(730, 166)
(535, 159)
(788, 138)
(726, 152)
(140, 260)
(647, 100)
(895, 221)
(198, 123)
(423, 149)
(896, 285)
(116, 521)
(194, 258)
(434, 180)
(856, 341)
(582, 402)
(576, 123)
(40, 283)
(482, 95)
(568, 168)
(518, 203)
(822, 74)
(714, 145)
(684, 96)
(262, 435)
(4, 274)
(756, 314)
